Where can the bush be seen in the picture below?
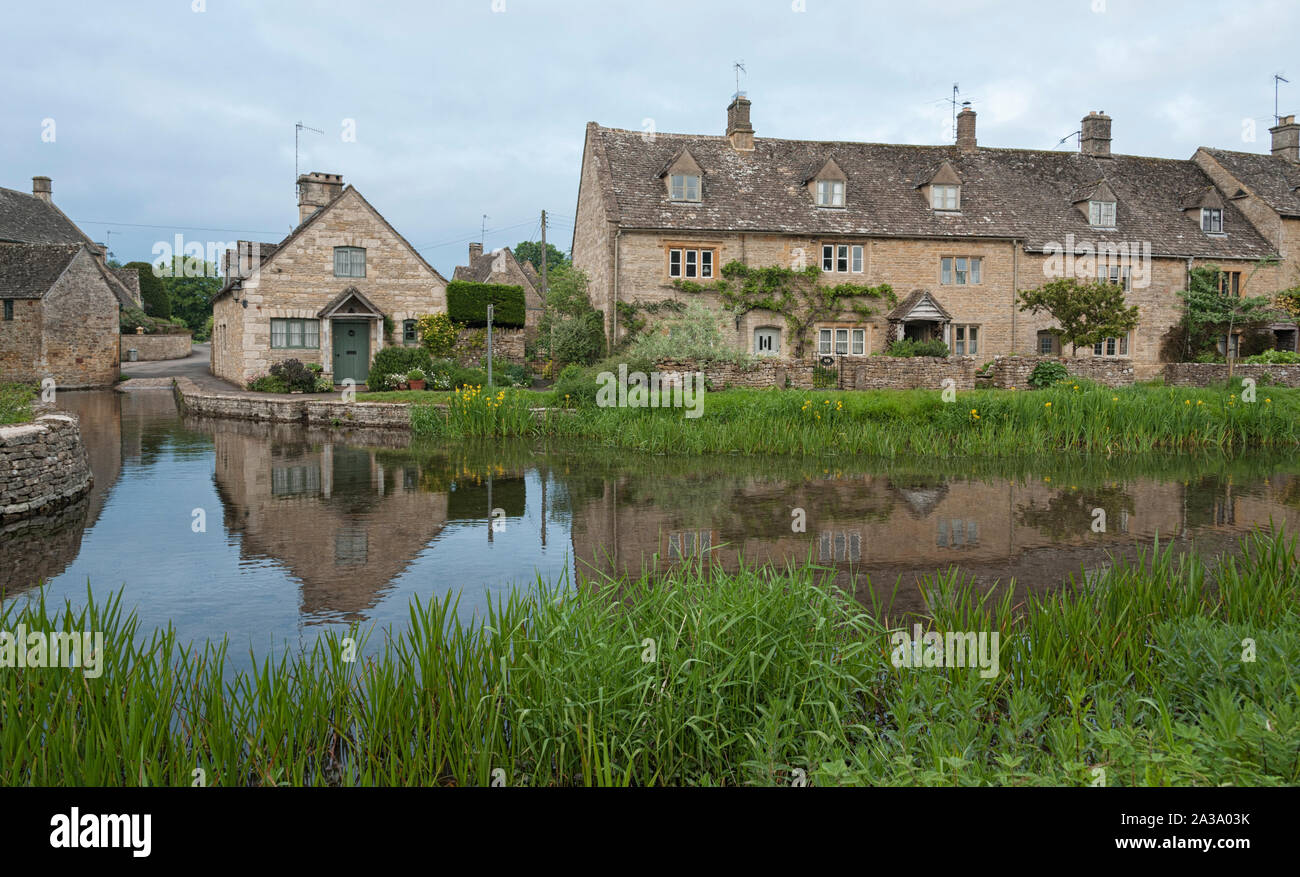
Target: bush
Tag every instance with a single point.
(693, 335)
(268, 384)
(396, 360)
(295, 375)
(1274, 357)
(438, 334)
(1047, 373)
(908, 347)
(467, 303)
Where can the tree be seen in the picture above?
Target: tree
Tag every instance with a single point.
(152, 294)
(190, 287)
(1213, 313)
(531, 251)
(1085, 313)
(571, 328)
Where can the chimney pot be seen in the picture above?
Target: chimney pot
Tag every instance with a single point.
(739, 131)
(315, 190)
(1094, 135)
(966, 129)
(1286, 139)
(43, 188)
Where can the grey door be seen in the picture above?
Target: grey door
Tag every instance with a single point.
(351, 350)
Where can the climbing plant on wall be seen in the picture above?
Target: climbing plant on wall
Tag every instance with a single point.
(631, 316)
(794, 294)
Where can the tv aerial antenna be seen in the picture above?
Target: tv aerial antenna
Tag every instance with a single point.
(298, 128)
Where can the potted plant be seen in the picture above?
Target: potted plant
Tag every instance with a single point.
(415, 377)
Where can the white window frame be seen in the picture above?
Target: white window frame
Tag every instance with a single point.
(858, 342)
(857, 258)
(686, 260)
(1119, 275)
(824, 342)
(351, 257)
(1100, 211)
(828, 258)
(949, 270)
(1112, 348)
(1212, 220)
(966, 339)
(684, 187)
(830, 193)
(841, 341)
(304, 331)
(945, 196)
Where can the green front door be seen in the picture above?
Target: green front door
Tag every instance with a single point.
(351, 350)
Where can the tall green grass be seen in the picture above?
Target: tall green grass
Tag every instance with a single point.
(757, 677)
(16, 403)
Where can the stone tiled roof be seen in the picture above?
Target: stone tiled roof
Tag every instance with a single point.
(26, 219)
(29, 270)
(1274, 179)
(1006, 193)
(479, 268)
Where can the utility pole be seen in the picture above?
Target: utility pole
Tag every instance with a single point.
(489, 340)
(482, 234)
(545, 300)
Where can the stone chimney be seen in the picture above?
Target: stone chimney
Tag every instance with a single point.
(475, 250)
(42, 187)
(315, 190)
(1286, 139)
(739, 131)
(1094, 135)
(966, 128)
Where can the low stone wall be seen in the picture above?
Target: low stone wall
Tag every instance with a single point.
(1014, 371)
(471, 346)
(43, 466)
(1202, 374)
(292, 409)
(859, 372)
(156, 347)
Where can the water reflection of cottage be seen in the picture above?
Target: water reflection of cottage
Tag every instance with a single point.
(344, 521)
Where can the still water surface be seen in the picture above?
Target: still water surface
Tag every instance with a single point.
(306, 529)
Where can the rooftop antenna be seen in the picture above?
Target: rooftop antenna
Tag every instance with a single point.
(740, 68)
(482, 235)
(108, 245)
(1277, 78)
(297, 129)
(1078, 133)
(955, 91)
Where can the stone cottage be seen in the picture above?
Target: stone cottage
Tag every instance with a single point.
(501, 266)
(955, 230)
(342, 285)
(59, 300)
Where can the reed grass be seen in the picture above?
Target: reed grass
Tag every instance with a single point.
(757, 677)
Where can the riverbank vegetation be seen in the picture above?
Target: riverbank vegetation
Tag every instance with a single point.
(1165, 671)
(16, 403)
(1073, 416)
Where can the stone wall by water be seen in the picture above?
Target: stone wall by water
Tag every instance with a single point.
(1203, 374)
(292, 409)
(1014, 371)
(151, 348)
(43, 466)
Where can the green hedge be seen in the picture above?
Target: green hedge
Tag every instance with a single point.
(467, 303)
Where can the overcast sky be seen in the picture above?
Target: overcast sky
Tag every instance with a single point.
(168, 120)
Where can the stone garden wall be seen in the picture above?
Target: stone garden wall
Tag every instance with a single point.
(157, 347)
(859, 372)
(43, 466)
(292, 409)
(471, 346)
(1014, 371)
(1202, 374)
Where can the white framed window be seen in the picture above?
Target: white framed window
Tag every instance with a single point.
(685, 187)
(1101, 214)
(1212, 220)
(960, 270)
(965, 340)
(828, 258)
(823, 342)
(1116, 274)
(945, 196)
(842, 341)
(830, 193)
(843, 258)
(349, 262)
(1111, 347)
(302, 334)
(690, 264)
(857, 256)
(858, 342)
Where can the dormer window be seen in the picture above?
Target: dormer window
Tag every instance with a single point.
(1212, 220)
(1101, 214)
(945, 196)
(684, 187)
(830, 193)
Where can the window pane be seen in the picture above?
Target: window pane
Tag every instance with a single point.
(828, 258)
(947, 270)
(691, 256)
(974, 340)
(824, 341)
(841, 341)
(675, 263)
(857, 260)
(842, 258)
(295, 333)
(678, 187)
(340, 263)
(1123, 346)
(859, 341)
(1096, 349)
(839, 194)
(821, 193)
(278, 333)
(960, 272)
(692, 188)
(975, 270)
(311, 333)
(1110, 346)
(706, 263)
